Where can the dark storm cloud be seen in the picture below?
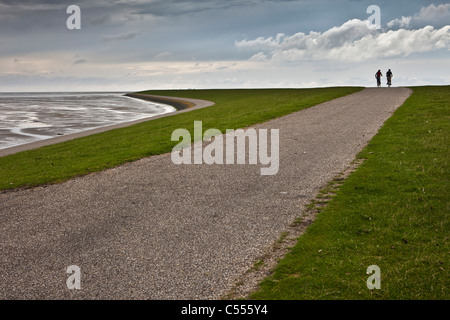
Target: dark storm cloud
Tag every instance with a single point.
(178, 7)
(34, 5)
(121, 36)
(80, 61)
(30, 4)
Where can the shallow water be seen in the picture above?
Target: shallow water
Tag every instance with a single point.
(28, 117)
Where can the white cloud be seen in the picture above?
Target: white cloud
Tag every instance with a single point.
(402, 23)
(433, 14)
(260, 56)
(438, 16)
(353, 41)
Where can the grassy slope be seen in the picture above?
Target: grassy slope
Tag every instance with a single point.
(233, 109)
(392, 212)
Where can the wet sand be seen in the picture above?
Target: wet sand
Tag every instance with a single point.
(181, 104)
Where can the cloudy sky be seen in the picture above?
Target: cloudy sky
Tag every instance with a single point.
(170, 44)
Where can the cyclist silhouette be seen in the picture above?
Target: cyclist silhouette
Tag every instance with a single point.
(378, 76)
(389, 76)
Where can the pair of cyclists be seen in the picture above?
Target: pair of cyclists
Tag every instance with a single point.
(389, 76)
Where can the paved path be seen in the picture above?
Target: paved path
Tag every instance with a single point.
(154, 230)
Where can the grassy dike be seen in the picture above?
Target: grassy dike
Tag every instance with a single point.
(233, 109)
(392, 212)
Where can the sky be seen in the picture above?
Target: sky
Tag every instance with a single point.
(185, 44)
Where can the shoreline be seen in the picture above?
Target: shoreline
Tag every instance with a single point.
(181, 104)
(174, 102)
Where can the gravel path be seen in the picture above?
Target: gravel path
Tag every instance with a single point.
(155, 230)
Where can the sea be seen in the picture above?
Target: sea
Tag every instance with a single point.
(29, 117)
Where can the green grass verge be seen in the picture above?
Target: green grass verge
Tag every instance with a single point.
(233, 109)
(392, 212)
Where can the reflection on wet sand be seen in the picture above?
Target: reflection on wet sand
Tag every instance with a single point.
(29, 117)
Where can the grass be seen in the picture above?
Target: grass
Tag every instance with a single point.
(392, 212)
(233, 109)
